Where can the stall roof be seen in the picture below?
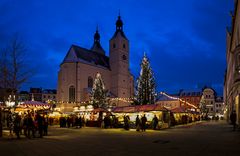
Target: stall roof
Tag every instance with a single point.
(34, 103)
(139, 108)
(179, 110)
(100, 110)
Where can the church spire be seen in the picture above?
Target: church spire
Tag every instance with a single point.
(119, 23)
(96, 44)
(96, 36)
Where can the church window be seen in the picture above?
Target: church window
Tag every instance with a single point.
(124, 46)
(124, 57)
(114, 45)
(71, 94)
(90, 82)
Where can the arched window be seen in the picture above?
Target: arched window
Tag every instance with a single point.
(90, 82)
(114, 45)
(71, 94)
(124, 46)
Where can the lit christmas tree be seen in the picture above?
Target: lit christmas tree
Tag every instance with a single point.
(146, 84)
(99, 92)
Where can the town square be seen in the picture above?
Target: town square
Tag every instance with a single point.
(120, 77)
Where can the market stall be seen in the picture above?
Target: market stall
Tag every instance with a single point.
(148, 110)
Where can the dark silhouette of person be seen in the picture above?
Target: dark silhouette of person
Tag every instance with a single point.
(126, 122)
(68, 122)
(155, 122)
(1, 129)
(40, 125)
(30, 126)
(17, 122)
(233, 118)
(143, 120)
(138, 123)
(45, 125)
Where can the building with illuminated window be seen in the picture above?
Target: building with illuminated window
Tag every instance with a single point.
(232, 75)
(80, 66)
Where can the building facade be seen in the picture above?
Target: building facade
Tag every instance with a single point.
(232, 75)
(209, 100)
(49, 95)
(38, 94)
(168, 102)
(191, 96)
(80, 66)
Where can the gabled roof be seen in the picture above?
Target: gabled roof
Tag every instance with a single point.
(79, 54)
(190, 92)
(162, 97)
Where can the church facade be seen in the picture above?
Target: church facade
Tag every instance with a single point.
(80, 66)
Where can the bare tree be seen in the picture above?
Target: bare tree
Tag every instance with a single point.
(13, 67)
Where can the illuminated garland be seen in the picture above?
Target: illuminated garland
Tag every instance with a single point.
(175, 98)
(130, 100)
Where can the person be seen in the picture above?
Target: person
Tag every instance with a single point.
(17, 122)
(143, 120)
(45, 125)
(30, 126)
(126, 122)
(1, 130)
(39, 119)
(11, 123)
(138, 122)
(68, 122)
(155, 122)
(233, 118)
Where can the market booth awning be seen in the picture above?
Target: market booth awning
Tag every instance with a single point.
(97, 110)
(179, 110)
(34, 104)
(140, 108)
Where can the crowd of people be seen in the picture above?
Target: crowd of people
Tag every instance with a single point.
(72, 121)
(30, 124)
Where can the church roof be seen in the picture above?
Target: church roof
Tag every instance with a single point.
(97, 48)
(121, 33)
(88, 56)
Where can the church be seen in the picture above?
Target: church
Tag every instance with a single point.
(80, 66)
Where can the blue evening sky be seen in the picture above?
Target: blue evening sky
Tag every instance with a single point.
(184, 39)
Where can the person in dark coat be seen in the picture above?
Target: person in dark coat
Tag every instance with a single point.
(45, 125)
(17, 122)
(40, 125)
(143, 120)
(155, 122)
(233, 118)
(1, 129)
(68, 122)
(138, 123)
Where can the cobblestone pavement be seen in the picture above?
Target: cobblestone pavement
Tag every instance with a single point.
(208, 138)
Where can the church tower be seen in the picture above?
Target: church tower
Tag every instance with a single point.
(119, 62)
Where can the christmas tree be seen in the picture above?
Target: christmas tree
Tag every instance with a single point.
(99, 92)
(146, 84)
